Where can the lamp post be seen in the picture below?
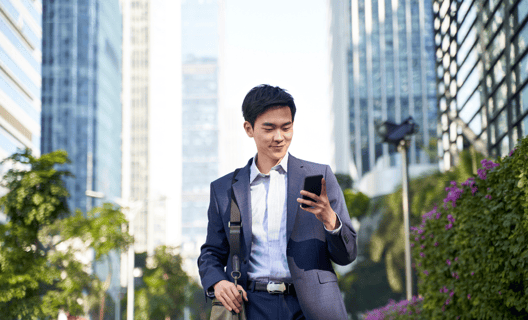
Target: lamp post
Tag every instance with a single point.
(399, 135)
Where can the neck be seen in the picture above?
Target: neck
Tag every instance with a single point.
(264, 165)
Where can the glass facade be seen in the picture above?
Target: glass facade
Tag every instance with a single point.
(199, 116)
(481, 63)
(391, 77)
(81, 103)
(20, 78)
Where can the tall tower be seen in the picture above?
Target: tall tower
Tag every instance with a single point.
(20, 78)
(81, 98)
(390, 77)
(200, 53)
(152, 120)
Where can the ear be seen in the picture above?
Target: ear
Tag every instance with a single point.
(248, 128)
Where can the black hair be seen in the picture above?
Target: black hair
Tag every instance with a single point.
(263, 97)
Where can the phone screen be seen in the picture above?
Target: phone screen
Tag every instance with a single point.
(312, 184)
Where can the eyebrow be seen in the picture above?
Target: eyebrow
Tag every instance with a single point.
(269, 124)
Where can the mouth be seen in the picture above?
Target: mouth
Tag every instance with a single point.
(277, 147)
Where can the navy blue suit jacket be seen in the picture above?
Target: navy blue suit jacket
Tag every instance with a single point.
(310, 247)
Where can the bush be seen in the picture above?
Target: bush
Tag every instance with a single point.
(471, 254)
(398, 310)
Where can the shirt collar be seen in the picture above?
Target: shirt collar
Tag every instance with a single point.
(255, 172)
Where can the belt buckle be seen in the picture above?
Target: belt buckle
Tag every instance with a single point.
(276, 287)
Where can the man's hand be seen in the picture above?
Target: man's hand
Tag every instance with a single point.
(226, 292)
(321, 207)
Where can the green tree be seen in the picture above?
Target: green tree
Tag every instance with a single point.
(41, 245)
(163, 292)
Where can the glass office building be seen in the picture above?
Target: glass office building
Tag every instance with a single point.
(200, 50)
(20, 78)
(81, 94)
(390, 63)
(481, 71)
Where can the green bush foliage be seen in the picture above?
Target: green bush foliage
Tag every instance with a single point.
(471, 253)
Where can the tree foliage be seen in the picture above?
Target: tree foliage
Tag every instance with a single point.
(472, 251)
(42, 247)
(163, 292)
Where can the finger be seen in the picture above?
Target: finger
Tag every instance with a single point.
(306, 202)
(323, 186)
(244, 293)
(230, 299)
(237, 295)
(310, 195)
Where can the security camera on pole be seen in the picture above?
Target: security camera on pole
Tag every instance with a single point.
(400, 135)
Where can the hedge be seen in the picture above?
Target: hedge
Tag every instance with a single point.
(471, 252)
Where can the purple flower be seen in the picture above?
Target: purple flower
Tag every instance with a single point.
(445, 289)
(472, 273)
(447, 301)
(419, 264)
(456, 259)
(482, 174)
(448, 262)
(453, 194)
(500, 292)
(488, 196)
(422, 246)
(423, 237)
(469, 296)
(474, 190)
(436, 244)
(431, 235)
(416, 239)
(412, 245)
(438, 214)
(449, 226)
(451, 293)
(422, 254)
(511, 152)
(426, 272)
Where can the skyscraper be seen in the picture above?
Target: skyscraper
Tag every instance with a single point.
(390, 59)
(81, 102)
(20, 77)
(152, 120)
(200, 52)
(482, 58)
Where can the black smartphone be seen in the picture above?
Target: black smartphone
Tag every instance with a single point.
(312, 184)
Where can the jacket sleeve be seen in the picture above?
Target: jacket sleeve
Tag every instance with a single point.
(342, 246)
(215, 251)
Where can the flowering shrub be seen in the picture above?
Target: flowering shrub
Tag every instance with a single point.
(397, 310)
(471, 253)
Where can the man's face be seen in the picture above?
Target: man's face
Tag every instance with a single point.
(273, 132)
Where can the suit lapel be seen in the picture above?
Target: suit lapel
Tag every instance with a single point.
(242, 195)
(295, 180)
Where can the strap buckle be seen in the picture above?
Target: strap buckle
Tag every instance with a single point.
(276, 287)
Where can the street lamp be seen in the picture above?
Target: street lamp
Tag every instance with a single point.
(399, 135)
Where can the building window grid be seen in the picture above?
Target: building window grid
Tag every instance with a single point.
(510, 107)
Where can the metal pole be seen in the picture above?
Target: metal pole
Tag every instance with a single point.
(406, 212)
(130, 272)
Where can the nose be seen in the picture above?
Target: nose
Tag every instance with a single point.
(278, 136)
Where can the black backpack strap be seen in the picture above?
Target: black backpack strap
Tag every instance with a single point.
(235, 225)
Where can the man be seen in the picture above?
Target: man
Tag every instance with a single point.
(281, 242)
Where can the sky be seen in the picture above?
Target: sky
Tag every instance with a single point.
(281, 43)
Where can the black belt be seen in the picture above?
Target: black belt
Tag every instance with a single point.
(272, 287)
